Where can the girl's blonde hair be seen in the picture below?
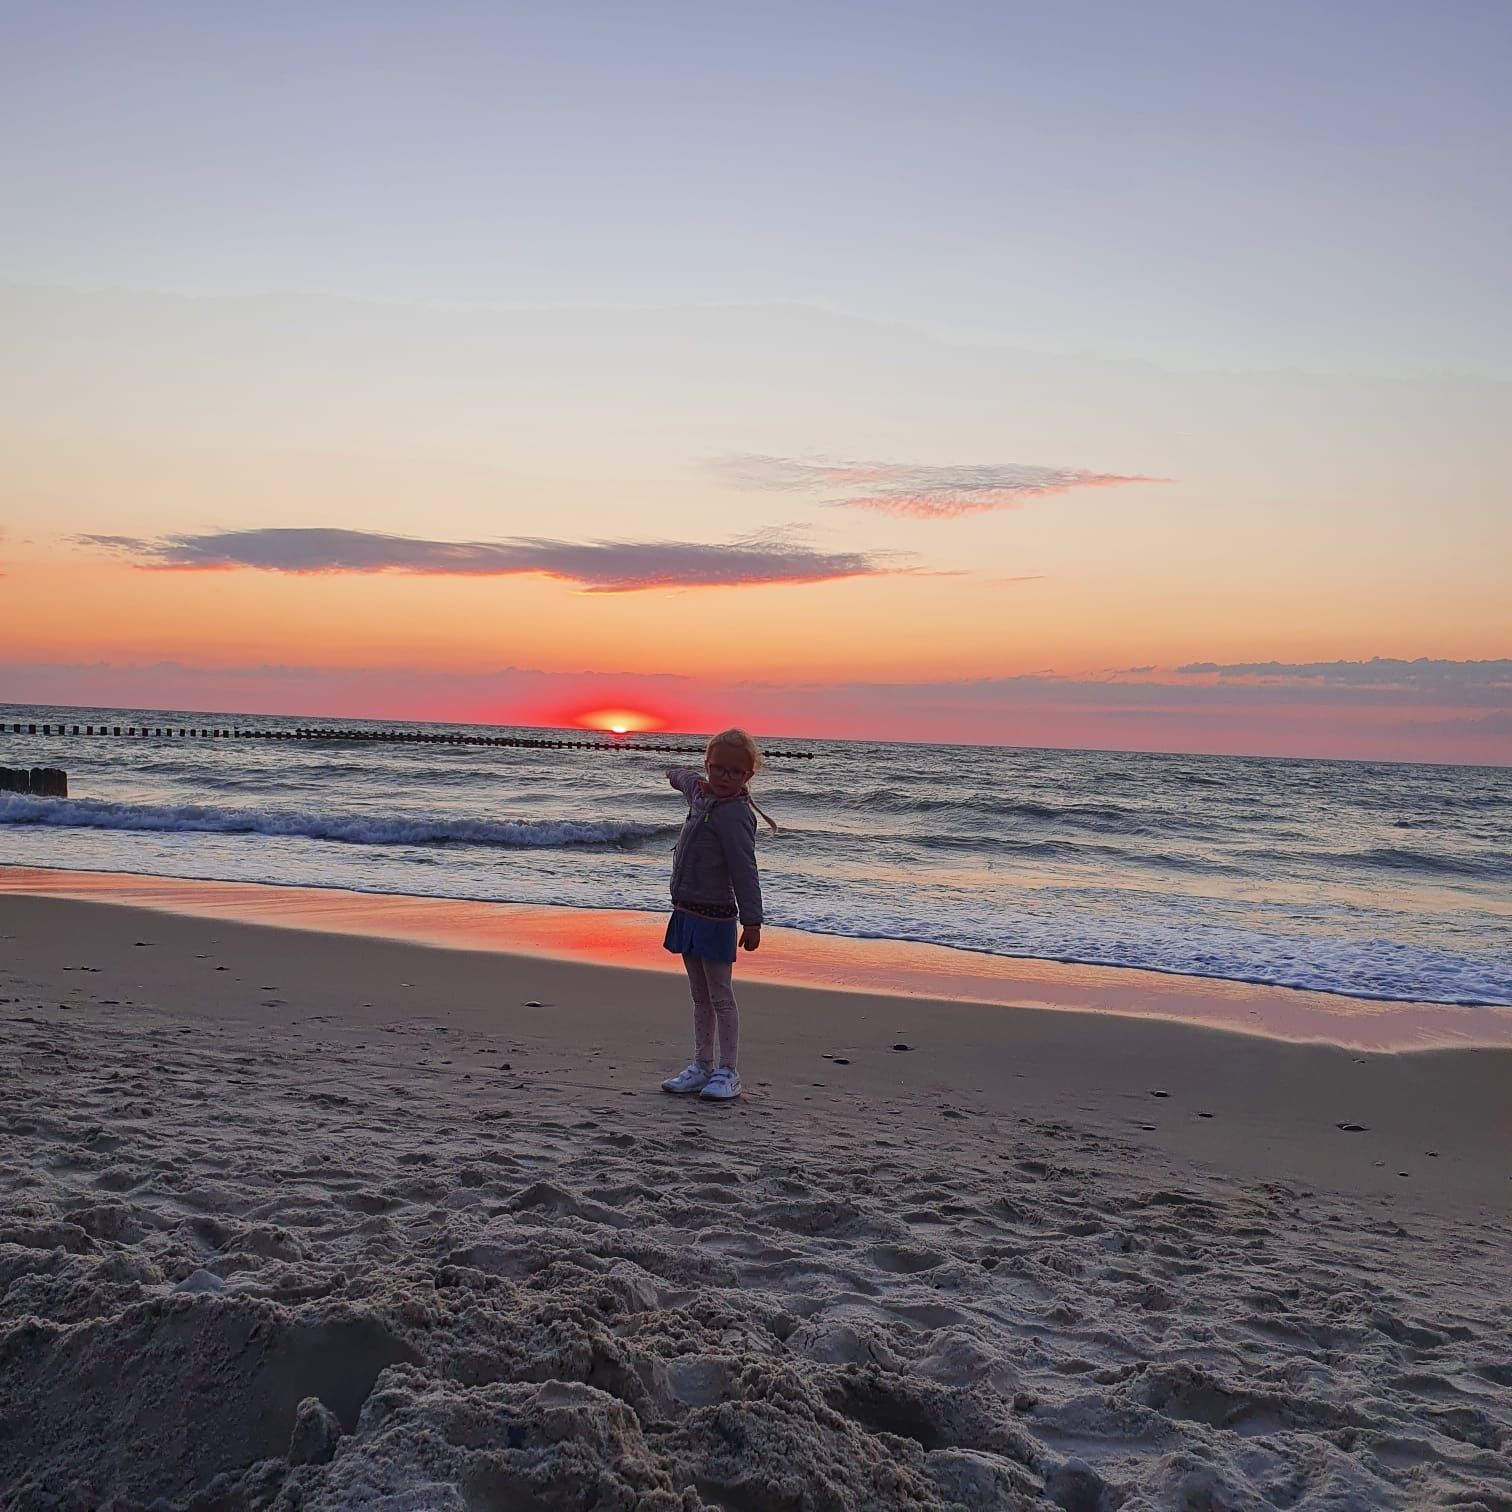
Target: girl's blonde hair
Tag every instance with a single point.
(738, 740)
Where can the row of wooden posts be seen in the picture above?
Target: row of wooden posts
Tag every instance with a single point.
(399, 737)
(41, 782)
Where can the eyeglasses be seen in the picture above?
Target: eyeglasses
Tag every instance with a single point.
(735, 774)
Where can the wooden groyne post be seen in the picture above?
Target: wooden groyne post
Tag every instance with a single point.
(40, 782)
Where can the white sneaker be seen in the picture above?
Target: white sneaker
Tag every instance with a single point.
(722, 1086)
(692, 1078)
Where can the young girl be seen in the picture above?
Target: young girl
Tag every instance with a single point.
(714, 882)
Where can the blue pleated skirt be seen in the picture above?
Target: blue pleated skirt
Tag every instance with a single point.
(713, 939)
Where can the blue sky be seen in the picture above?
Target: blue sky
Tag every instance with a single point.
(1232, 185)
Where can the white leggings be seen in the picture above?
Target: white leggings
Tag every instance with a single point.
(713, 1006)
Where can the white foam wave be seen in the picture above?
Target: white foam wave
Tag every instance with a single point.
(351, 829)
(1379, 969)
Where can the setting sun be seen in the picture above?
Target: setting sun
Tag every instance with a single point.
(618, 721)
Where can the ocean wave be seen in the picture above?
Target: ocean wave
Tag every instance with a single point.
(1401, 858)
(1095, 814)
(976, 807)
(349, 829)
(1395, 860)
(968, 817)
(992, 848)
(1200, 779)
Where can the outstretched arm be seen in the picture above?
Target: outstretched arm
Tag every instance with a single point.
(682, 778)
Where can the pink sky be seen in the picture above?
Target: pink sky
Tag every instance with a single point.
(1341, 711)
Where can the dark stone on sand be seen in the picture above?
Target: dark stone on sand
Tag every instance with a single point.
(1352, 1128)
(901, 1046)
(1076, 1487)
(1160, 1094)
(316, 1431)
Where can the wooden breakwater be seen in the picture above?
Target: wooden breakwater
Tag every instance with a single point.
(387, 737)
(40, 782)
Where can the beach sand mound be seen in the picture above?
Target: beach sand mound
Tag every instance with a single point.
(235, 1276)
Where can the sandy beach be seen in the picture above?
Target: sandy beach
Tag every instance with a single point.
(295, 1217)
(1003, 506)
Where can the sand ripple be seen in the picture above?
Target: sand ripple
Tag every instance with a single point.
(238, 1275)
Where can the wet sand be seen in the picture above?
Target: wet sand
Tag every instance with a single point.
(613, 937)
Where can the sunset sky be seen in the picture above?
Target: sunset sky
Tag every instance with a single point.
(1087, 375)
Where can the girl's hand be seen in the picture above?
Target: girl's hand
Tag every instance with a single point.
(750, 937)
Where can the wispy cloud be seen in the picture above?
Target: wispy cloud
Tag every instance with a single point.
(918, 490)
(594, 566)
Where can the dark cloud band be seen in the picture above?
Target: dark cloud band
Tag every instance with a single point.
(595, 566)
(1489, 680)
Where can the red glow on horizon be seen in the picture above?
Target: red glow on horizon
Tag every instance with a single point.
(618, 721)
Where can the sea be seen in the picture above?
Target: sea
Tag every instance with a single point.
(1369, 879)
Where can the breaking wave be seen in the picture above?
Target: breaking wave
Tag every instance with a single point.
(349, 829)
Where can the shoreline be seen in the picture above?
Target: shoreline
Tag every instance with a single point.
(1432, 1125)
(630, 940)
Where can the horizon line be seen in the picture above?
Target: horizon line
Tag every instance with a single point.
(611, 739)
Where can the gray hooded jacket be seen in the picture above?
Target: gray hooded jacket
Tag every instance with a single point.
(714, 862)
